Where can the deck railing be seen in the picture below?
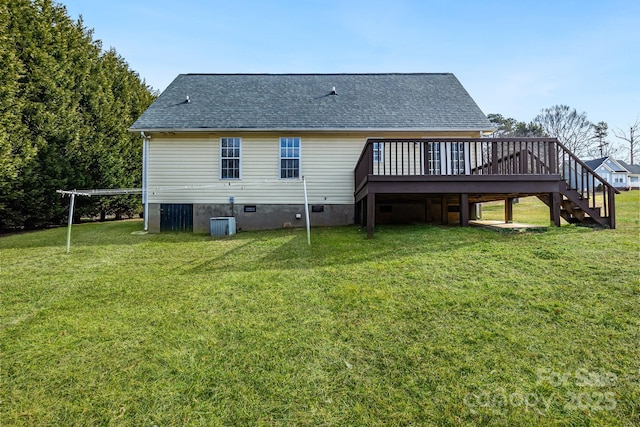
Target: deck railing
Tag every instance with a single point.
(483, 156)
(463, 156)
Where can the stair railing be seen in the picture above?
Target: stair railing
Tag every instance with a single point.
(587, 183)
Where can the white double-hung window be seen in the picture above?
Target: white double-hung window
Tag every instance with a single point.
(378, 152)
(230, 156)
(457, 158)
(433, 159)
(289, 158)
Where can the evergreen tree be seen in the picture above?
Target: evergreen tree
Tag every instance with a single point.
(65, 106)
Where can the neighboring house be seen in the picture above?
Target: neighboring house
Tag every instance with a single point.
(372, 148)
(633, 177)
(611, 170)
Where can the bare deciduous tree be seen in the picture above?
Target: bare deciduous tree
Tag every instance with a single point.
(573, 129)
(631, 138)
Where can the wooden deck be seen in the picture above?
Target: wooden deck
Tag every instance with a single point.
(442, 180)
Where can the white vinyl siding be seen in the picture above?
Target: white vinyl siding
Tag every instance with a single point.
(186, 169)
(177, 164)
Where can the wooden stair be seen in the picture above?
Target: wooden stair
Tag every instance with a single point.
(584, 196)
(576, 209)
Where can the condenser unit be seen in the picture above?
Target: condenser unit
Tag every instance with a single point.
(222, 226)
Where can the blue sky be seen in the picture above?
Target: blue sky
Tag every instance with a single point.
(514, 57)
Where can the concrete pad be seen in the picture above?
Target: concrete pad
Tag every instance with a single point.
(513, 227)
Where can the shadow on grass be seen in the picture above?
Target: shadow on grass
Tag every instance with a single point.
(124, 233)
(129, 232)
(278, 250)
(331, 245)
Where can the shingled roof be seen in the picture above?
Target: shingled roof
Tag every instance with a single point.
(595, 164)
(200, 102)
(634, 169)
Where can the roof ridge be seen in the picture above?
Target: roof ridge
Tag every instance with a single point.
(319, 74)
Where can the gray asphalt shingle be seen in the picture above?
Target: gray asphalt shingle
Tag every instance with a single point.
(634, 169)
(304, 101)
(595, 163)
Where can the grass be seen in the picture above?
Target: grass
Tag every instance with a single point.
(419, 326)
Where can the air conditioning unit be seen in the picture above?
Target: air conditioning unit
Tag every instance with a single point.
(222, 226)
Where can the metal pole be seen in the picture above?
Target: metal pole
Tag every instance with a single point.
(306, 210)
(71, 203)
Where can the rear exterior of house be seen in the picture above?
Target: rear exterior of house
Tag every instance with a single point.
(371, 149)
(239, 145)
(259, 192)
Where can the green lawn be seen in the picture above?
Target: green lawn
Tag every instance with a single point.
(419, 326)
(528, 210)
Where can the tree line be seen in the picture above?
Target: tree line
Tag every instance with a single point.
(65, 106)
(584, 138)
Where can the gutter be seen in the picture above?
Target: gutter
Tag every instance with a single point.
(318, 130)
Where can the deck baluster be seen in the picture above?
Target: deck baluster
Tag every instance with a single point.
(519, 160)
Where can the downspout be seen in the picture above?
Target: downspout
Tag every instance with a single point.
(145, 178)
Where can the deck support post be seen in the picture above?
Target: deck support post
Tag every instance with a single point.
(475, 211)
(554, 209)
(427, 208)
(464, 210)
(611, 195)
(508, 210)
(444, 209)
(371, 214)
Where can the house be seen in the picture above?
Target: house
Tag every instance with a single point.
(633, 177)
(611, 170)
(371, 148)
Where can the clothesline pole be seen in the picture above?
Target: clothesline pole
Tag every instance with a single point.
(70, 221)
